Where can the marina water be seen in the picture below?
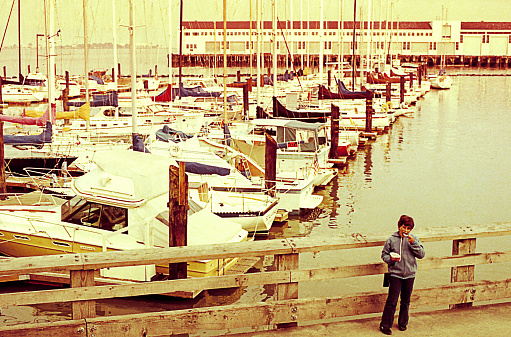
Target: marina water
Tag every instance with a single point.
(447, 164)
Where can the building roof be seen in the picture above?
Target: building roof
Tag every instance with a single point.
(312, 24)
(486, 25)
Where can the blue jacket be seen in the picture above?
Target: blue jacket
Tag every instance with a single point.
(407, 266)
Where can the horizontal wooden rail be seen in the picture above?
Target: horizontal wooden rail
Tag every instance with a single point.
(286, 309)
(256, 314)
(231, 281)
(59, 263)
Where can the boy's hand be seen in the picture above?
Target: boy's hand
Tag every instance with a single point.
(411, 239)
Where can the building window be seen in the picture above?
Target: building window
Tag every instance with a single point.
(446, 31)
(461, 38)
(457, 45)
(187, 33)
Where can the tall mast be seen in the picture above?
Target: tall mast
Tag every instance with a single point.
(353, 60)
(274, 26)
(50, 52)
(170, 47)
(133, 63)
(225, 60)
(321, 43)
(259, 84)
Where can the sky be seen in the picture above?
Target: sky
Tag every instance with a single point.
(152, 16)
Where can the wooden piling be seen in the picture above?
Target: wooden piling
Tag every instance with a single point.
(65, 93)
(401, 89)
(245, 100)
(388, 91)
(369, 111)
(270, 165)
(463, 273)
(83, 309)
(178, 207)
(334, 143)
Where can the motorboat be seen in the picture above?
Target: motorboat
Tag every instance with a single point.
(253, 209)
(12, 93)
(119, 205)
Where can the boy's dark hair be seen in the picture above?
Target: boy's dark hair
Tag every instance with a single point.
(405, 220)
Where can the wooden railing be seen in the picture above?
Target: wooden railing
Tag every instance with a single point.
(287, 309)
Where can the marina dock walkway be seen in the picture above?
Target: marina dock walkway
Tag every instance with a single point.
(485, 320)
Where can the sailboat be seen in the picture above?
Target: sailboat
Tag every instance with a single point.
(442, 80)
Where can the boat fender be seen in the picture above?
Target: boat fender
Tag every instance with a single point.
(174, 150)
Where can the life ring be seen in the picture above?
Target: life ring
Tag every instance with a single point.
(175, 150)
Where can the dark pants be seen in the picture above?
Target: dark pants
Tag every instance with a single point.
(397, 286)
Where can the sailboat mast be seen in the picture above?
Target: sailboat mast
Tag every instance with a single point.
(180, 47)
(274, 26)
(114, 73)
(225, 59)
(19, 43)
(321, 43)
(133, 63)
(50, 52)
(353, 60)
(259, 84)
(170, 48)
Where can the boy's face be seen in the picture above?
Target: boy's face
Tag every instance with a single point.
(404, 231)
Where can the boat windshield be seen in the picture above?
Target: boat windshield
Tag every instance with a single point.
(93, 214)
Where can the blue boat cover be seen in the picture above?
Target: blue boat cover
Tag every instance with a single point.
(198, 168)
(108, 99)
(168, 134)
(31, 140)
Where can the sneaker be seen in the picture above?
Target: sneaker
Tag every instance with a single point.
(402, 327)
(386, 331)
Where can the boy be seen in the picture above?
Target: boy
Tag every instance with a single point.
(400, 252)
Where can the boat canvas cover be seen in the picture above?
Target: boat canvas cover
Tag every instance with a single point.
(31, 140)
(288, 123)
(125, 178)
(280, 111)
(167, 134)
(108, 99)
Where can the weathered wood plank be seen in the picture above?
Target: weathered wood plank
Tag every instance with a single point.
(83, 309)
(230, 281)
(463, 273)
(61, 328)
(269, 313)
(57, 263)
(145, 288)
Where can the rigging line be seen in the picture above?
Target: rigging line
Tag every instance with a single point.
(287, 47)
(7, 24)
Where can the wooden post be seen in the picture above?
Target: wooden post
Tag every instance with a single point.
(401, 89)
(118, 70)
(5, 73)
(238, 76)
(270, 165)
(463, 273)
(286, 291)
(1, 98)
(245, 100)
(329, 77)
(65, 95)
(334, 143)
(178, 207)
(388, 91)
(419, 74)
(83, 309)
(411, 80)
(369, 111)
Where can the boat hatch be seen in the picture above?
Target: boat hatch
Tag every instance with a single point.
(62, 244)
